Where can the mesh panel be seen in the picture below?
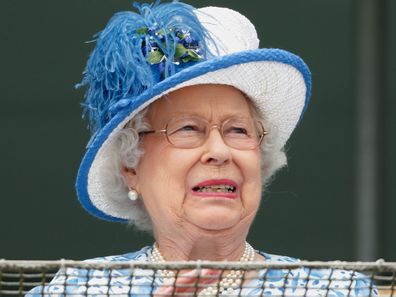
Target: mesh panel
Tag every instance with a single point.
(75, 278)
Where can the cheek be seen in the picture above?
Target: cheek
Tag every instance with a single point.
(251, 170)
(250, 165)
(162, 176)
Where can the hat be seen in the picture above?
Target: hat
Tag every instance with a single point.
(139, 57)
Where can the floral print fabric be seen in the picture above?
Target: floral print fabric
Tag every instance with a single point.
(271, 282)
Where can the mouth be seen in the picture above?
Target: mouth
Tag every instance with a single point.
(221, 188)
(216, 188)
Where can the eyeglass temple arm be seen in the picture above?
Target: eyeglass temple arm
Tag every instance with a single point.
(152, 131)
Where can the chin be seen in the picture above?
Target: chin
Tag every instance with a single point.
(214, 220)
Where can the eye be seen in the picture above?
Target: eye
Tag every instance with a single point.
(188, 128)
(236, 133)
(238, 130)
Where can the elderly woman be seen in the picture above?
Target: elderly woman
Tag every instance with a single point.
(189, 119)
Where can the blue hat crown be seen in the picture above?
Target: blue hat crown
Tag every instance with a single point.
(135, 51)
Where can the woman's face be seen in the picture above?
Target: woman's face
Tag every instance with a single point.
(167, 177)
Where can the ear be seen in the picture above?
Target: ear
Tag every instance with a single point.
(130, 177)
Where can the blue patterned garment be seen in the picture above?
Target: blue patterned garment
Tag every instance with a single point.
(271, 282)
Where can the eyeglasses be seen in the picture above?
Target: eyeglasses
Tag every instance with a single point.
(192, 131)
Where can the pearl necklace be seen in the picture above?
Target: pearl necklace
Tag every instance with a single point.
(226, 286)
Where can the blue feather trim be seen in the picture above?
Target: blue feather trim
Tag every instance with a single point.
(119, 68)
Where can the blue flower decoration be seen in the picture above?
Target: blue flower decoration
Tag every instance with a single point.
(186, 47)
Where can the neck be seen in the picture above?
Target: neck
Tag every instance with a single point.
(210, 247)
(179, 240)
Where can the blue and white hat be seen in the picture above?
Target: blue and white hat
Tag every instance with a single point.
(139, 57)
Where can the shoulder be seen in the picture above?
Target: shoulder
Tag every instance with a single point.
(141, 255)
(84, 281)
(278, 258)
(317, 281)
(138, 256)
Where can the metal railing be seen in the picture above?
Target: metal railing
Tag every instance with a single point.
(89, 278)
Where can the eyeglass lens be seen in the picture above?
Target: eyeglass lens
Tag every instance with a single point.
(189, 132)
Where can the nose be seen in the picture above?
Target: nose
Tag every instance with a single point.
(216, 151)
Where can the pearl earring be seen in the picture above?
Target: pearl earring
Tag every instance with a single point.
(132, 194)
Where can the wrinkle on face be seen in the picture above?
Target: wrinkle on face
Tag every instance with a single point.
(166, 174)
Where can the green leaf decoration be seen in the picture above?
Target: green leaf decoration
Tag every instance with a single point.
(184, 52)
(181, 35)
(142, 31)
(155, 57)
(161, 32)
(180, 50)
(194, 56)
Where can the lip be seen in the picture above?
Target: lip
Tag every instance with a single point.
(230, 195)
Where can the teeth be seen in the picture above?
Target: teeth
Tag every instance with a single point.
(216, 188)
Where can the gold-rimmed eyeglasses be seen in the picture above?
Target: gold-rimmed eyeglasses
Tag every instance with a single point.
(192, 131)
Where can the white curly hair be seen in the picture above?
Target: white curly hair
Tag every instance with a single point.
(127, 151)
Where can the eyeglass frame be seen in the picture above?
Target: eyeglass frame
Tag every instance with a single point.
(219, 127)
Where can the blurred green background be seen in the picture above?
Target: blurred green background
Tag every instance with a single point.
(309, 211)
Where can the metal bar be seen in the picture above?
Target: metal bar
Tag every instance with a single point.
(369, 98)
(25, 266)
